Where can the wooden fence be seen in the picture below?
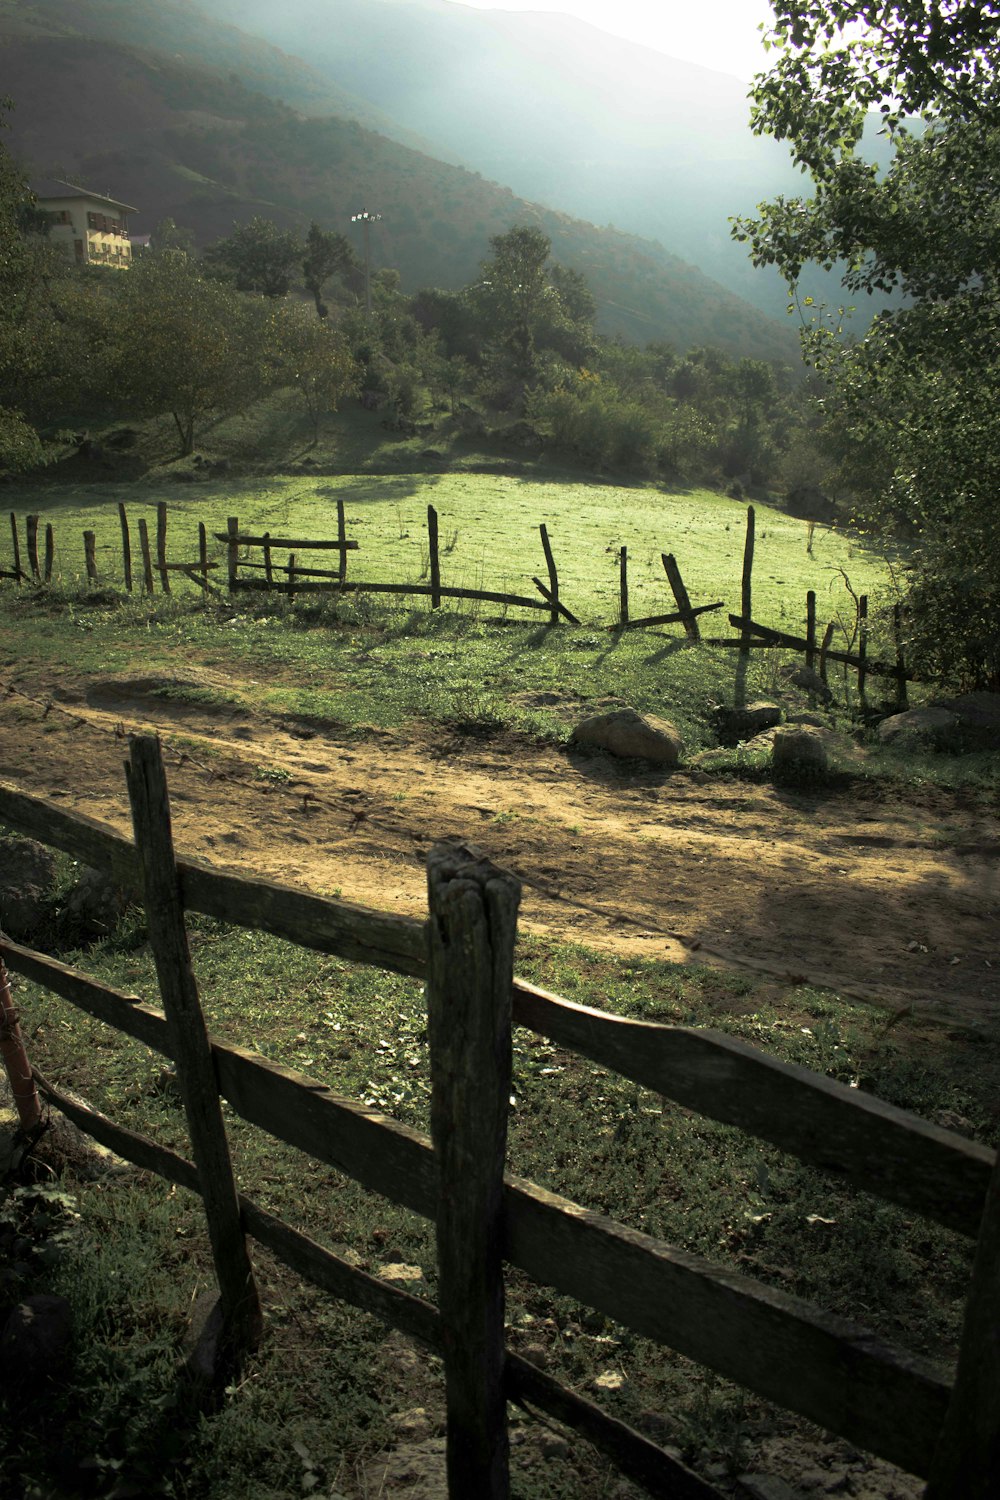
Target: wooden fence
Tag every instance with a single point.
(839, 1375)
(292, 578)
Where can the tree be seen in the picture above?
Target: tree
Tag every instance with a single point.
(912, 404)
(192, 347)
(527, 306)
(256, 257)
(328, 255)
(315, 358)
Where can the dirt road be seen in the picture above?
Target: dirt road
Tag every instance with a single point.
(891, 900)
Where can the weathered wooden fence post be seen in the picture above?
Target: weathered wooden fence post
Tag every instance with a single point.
(126, 546)
(341, 543)
(90, 555)
(268, 566)
(15, 1059)
(471, 933)
(17, 547)
(435, 561)
(746, 610)
(550, 563)
(824, 648)
(190, 1045)
(147, 560)
(967, 1460)
(203, 557)
(689, 618)
(50, 552)
(623, 586)
(161, 545)
(291, 577)
(233, 549)
(31, 531)
(810, 629)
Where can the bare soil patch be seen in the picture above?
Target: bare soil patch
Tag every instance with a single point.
(890, 899)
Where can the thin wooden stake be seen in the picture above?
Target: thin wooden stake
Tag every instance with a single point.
(824, 648)
(435, 561)
(161, 545)
(688, 617)
(862, 644)
(126, 546)
(471, 934)
(147, 561)
(550, 563)
(31, 529)
(746, 591)
(810, 629)
(90, 555)
(203, 557)
(233, 554)
(623, 586)
(291, 576)
(190, 1044)
(268, 567)
(50, 552)
(342, 543)
(17, 547)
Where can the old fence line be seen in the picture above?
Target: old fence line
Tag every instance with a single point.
(882, 1398)
(292, 578)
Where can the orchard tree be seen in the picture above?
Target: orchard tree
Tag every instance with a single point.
(315, 358)
(913, 404)
(188, 346)
(256, 257)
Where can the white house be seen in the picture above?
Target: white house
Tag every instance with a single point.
(90, 228)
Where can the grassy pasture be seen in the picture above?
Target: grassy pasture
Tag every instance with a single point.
(488, 531)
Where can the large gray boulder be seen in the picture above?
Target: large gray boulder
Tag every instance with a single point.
(799, 750)
(631, 735)
(27, 876)
(979, 719)
(935, 727)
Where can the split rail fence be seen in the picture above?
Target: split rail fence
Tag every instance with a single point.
(292, 577)
(881, 1398)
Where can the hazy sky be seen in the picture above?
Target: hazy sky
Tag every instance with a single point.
(720, 34)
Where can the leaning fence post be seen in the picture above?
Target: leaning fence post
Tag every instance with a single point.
(550, 563)
(688, 617)
(90, 555)
(31, 531)
(810, 629)
(50, 553)
(341, 543)
(233, 549)
(471, 933)
(746, 610)
(190, 1046)
(623, 586)
(147, 561)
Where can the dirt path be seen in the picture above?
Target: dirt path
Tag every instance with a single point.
(892, 901)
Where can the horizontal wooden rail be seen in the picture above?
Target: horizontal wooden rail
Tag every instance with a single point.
(661, 1473)
(853, 1135)
(826, 1369)
(444, 592)
(799, 643)
(674, 619)
(353, 932)
(280, 543)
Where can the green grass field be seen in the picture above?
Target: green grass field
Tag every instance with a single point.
(488, 537)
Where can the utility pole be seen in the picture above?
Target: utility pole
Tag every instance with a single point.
(367, 219)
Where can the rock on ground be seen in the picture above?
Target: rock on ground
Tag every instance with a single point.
(27, 875)
(921, 726)
(629, 734)
(743, 723)
(799, 749)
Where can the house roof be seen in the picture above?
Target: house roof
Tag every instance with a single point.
(51, 187)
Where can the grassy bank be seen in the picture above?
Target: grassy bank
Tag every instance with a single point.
(330, 1388)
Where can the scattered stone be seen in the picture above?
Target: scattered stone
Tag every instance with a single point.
(36, 1343)
(27, 876)
(609, 1380)
(415, 1424)
(799, 750)
(536, 1354)
(816, 720)
(934, 727)
(555, 1447)
(631, 735)
(808, 680)
(949, 1120)
(96, 902)
(735, 723)
(397, 1271)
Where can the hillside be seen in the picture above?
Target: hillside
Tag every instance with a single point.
(203, 148)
